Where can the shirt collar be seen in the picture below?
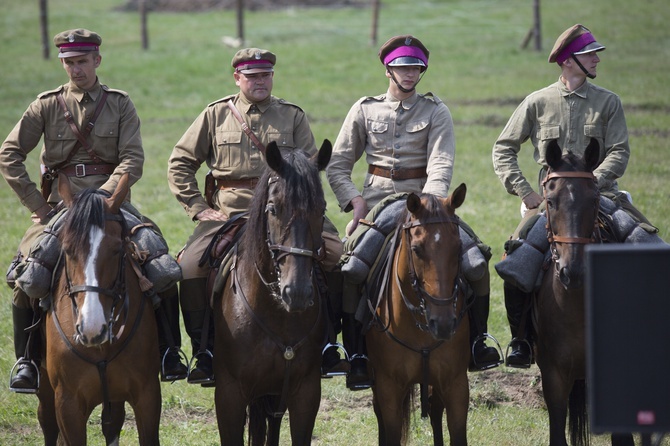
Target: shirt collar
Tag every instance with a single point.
(245, 104)
(78, 93)
(406, 104)
(581, 91)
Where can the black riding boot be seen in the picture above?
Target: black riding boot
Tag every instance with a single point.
(26, 378)
(199, 325)
(332, 364)
(169, 336)
(354, 342)
(483, 357)
(519, 351)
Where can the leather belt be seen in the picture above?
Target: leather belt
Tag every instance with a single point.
(84, 170)
(397, 174)
(246, 183)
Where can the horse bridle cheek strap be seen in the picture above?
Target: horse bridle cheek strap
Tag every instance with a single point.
(555, 238)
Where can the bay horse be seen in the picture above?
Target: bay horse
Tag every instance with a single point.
(100, 330)
(269, 321)
(420, 332)
(572, 203)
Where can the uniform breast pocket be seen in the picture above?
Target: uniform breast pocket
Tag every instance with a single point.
(284, 140)
(378, 132)
(57, 139)
(549, 132)
(416, 131)
(106, 138)
(229, 150)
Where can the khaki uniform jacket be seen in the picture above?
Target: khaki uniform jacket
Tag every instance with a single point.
(216, 139)
(572, 118)
(115, 139)
(414, 133)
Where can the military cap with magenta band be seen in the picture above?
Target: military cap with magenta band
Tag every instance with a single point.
(404, 50)
(575, 40)
(77, 42)
(253, 60)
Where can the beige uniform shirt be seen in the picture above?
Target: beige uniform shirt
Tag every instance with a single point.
(115, 139)
(414, 133)
(216, 139)
(571, 117)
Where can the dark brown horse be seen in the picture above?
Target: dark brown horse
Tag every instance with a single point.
(420, 332)
(269, 323)
(572, 203)
(101, 342)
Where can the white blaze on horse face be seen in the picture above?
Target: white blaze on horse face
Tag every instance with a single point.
(437, 236)
(92, 312)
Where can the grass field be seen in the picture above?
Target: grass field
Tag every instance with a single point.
(325, 63)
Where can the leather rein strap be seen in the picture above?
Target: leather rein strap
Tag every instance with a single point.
(245, 127)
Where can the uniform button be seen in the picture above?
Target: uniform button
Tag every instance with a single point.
(397, 135)
(397, 146)
(253, 128)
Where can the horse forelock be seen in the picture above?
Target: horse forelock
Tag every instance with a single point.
(87, 211)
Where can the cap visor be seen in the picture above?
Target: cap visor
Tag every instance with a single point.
(73, 54)
(256, 70)
(591, 47)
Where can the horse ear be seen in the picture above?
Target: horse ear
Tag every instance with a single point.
(413, 203)
(457, 197)
(120, 193)
(592, 154)
(273, 156)
(553, 154)
(323, 156)
(64, 189)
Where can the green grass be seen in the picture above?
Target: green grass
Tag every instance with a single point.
(325, 63)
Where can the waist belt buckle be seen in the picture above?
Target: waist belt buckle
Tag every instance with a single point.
(80, 170)
(392, 173)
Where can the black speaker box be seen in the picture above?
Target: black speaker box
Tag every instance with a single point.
(627, 336)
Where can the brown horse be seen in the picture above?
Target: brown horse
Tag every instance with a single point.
(269, 323)
(420, 332)
(101, 342)
(572, 203)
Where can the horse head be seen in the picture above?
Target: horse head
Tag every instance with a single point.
(572, 200)
(293, 209)
(428, 259)
(93, 244)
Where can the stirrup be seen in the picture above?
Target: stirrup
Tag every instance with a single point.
(182, 355)
(530, 349)
(474, 367)
(29, 363)
(209, 379)
(331, 374)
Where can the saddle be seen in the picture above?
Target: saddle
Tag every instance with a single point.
(219, 252)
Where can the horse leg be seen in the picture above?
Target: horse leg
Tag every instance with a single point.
(71, 416)
(556, 392)
(622, 440)
(303, 407)
(436, 413)
(231, 412)
(46, 411)
(456, 398)
(391, 409)
(113, 416)
(147, 409)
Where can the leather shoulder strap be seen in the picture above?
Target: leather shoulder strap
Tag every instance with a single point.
(245, 127)
(81, 135)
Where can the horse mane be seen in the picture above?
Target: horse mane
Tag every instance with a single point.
(432, 205)
(572, 162)
(298, 186)
(87, 211)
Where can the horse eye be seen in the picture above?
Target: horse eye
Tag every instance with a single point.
(417, 250)
(271, 209)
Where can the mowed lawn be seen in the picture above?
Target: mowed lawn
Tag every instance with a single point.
(325, 62)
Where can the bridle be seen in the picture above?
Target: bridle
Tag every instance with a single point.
(554, 238)
(419, 311)
(278, 250)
